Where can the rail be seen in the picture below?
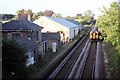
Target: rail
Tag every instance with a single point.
(57, 70)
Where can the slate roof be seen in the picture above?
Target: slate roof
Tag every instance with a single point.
(28, 44)
(50, 36)
(63, 22)
(73, 21)
(20, 25)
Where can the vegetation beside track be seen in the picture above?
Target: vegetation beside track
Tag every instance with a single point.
(113, 58)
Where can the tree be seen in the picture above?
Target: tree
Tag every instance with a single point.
(13, 64)
(33, 17)
(30, 12)
(40, 13)
(20, 11)
(108, 23)
(56, 15)
(88, 16)
(7, 16)
(68, 17)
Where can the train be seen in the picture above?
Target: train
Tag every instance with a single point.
(95, 34)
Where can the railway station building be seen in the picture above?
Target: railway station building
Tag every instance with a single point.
(66, 29)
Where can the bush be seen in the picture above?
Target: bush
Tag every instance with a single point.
(13, 64)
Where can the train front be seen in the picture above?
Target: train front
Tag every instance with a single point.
(94, 34)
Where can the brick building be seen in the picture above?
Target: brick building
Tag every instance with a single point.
(27, 34)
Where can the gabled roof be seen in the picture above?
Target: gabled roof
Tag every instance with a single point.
(63, 22)
(50, 36)
(20, 25)
(73, 21)
(29, 44)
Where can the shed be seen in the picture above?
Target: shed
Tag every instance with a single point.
(48, 39)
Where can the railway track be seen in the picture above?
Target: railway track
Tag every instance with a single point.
(79, 67)
(80, 63)
(52, 68)
(87, 65)
(63, 70)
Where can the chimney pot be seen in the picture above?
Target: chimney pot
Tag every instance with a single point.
(22, 11)
(28, 12)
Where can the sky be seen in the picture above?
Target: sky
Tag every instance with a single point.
(64, 7)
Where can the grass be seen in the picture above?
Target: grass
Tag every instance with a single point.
(112, 54)
(43, 63)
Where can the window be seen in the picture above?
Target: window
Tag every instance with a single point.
(9, 35)
(30, 35)
(16, 35)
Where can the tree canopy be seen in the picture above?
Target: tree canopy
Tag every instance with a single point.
(13, 64)
(56, 15)
(88, 16)
(108, 23)
(40, 13)
(7, 16)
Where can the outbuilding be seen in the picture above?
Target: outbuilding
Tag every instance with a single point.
(50, 41)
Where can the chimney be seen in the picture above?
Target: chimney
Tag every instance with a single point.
(22, 16)
(22, 11)
(28, 12)
(29, 18)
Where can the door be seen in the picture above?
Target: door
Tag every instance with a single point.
(54, 47)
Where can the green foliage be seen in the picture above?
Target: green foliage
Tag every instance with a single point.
(108, 23)
(68, 17)
(56, 15)
(88, 16)
(13, 60)
(7, 16)
(33, 17)
(87, 19)
(40, 13)
(20, 11)
(30, 12)
(25, 12)
(113, 59)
